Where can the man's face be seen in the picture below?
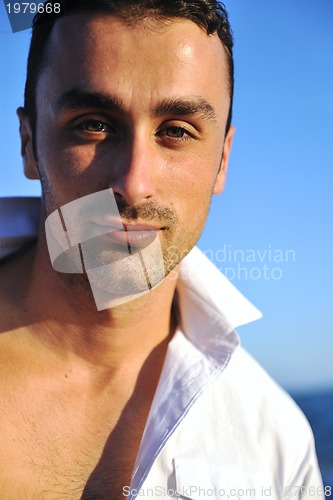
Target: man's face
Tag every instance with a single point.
(140, 108)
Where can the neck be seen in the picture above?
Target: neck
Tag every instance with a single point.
(63, 316)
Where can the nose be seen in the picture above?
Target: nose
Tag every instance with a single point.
(136, 175)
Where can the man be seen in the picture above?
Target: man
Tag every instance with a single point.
(128, 106)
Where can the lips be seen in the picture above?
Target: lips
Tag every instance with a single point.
(127, 234)
(134, 235)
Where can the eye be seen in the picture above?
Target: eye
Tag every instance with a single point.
(175, 132)
(96, 126)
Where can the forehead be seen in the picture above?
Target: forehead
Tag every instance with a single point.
(140, 60)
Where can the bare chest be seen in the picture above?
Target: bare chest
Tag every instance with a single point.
(66, 456)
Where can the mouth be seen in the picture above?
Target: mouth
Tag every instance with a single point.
(139, 235)
(134, 235)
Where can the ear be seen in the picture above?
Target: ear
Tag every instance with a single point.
(29, 161)
(221, 176)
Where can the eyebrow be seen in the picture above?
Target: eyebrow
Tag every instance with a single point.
(186, 107)
(183, 106)
(79, 99)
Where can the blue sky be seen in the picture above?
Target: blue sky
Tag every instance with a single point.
(271, 230)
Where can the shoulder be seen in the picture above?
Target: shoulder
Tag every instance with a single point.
(249, 431)
(19, 220)
(248, 386)
(265, 419)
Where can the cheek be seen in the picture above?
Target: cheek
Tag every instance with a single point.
(63, 164)
(75, 162)
(62, 179)
(55, 149)
(191, 179)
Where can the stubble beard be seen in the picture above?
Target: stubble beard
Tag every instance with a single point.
(176, 241)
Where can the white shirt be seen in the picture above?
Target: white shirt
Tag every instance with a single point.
(219, 427)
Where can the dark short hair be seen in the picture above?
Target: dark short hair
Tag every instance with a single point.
(210, 15)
